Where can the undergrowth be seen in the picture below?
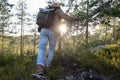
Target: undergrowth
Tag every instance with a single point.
(104, 61)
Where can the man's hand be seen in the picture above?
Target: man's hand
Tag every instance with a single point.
(39, 28)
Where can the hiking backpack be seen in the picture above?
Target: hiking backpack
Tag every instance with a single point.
(45, 18)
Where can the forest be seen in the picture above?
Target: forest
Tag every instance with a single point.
(91, 44)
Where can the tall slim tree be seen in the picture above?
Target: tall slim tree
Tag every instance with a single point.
(21, 8)
(87, 21)
(4, 17)
(34, 30)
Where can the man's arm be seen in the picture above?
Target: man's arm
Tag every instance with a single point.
(64, 15)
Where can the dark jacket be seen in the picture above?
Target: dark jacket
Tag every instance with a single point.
(59, 15)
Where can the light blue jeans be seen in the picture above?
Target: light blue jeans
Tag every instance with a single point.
(46, 36)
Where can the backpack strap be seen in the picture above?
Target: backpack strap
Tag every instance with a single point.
(55, 8)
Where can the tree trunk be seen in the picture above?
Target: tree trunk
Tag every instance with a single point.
(59, 45)
(21, 38)
(2, 40)
(106, 32)
(87, 21)
(35, 40)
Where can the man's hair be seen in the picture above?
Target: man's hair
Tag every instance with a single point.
(55, 5)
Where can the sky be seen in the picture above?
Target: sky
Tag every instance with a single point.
(32, 5)
(32, 8)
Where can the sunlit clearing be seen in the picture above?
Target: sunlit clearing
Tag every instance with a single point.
(63, 28)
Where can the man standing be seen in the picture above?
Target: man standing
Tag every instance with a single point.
(49, 35)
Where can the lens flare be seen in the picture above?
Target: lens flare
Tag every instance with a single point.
(63, 28)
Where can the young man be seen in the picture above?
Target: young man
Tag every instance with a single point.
(49, 35)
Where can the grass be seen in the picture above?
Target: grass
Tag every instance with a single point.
(17, 67)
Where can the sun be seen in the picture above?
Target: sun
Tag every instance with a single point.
(63, 28)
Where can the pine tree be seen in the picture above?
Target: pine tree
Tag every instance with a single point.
(21, 15)
(4, 21)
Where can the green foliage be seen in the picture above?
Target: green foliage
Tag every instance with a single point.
(81, 15)
(113, 48)
(11, 45)
(118, 42)
(105, 61)
(54, 73)
(101, 62)
(111, 55)
(15, 67)
(115, 12)
(6, 60)
(94, 43)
